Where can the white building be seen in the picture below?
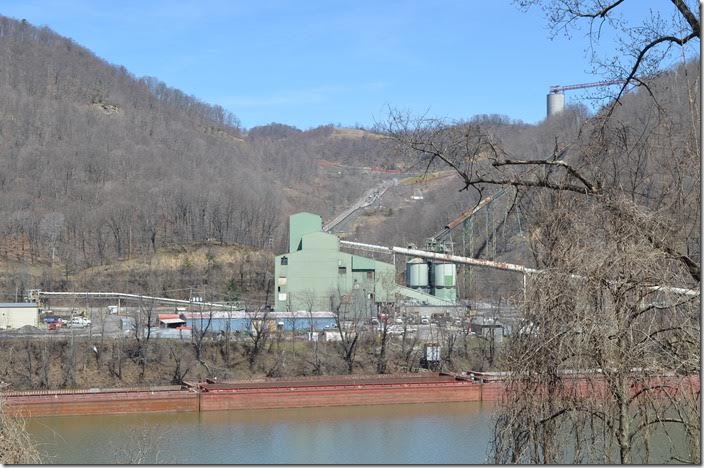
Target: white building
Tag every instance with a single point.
(18, 314)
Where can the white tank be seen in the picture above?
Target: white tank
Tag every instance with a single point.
(556, 103)
(444, 275)
(417, 274)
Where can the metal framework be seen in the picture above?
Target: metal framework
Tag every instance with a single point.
(557, 89)
(466, 215)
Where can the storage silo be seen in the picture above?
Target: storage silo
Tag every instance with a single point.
(556, 103)
(417, 275)
(445, 281)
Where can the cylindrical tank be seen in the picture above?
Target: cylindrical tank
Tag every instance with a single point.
(444, 275)
(556, 103)
(444, 281)
(417, 274)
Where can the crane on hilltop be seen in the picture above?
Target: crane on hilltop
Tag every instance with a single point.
(556, 96)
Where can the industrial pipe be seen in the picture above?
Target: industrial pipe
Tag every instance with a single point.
(138, 297)
(464, 260)
(489, 264)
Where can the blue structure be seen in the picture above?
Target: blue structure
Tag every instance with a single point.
(241, 321)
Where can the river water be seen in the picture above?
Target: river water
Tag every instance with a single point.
(406, 434)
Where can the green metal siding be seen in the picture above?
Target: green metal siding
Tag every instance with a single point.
(320, 241)
(362, 263)
(320, 271)
(301, 224)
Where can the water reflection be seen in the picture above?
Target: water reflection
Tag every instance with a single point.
(429, 433)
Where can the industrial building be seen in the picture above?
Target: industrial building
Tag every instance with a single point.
(18, 314)
(315, 275)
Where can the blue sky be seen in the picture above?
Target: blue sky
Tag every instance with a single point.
(308, 63)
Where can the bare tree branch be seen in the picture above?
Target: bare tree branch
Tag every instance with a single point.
(593, 188)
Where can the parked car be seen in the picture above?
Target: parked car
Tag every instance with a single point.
(78, 322)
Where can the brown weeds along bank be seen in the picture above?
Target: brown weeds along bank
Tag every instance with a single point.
(29, 364)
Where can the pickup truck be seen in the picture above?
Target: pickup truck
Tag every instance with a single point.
(78, 322)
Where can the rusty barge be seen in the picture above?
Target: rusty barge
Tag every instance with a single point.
(255, 394)
(304, 392)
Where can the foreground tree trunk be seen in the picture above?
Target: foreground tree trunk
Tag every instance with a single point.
(608, 353)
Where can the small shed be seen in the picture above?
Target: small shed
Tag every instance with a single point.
(325, 335)
(170, 321)
(487, 327)
(18, 314)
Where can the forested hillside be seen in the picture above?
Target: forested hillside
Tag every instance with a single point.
(100, 170)
(97, 165)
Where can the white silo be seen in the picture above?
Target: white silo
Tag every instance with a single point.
(445, 281)
(556, 103)
(417, 274)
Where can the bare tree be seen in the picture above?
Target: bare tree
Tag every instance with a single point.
(50, 228)
(227, 336)
(388, 310)
(611, 213)
(309, 299)
(381, 362)
(259, 334)
(410, 353)
(350, 316)
(181, 365)
(632, 349)
(16, 444)
(117, 357)
(45, 364)
(143, 322)
(201, 329)
(69, 362)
